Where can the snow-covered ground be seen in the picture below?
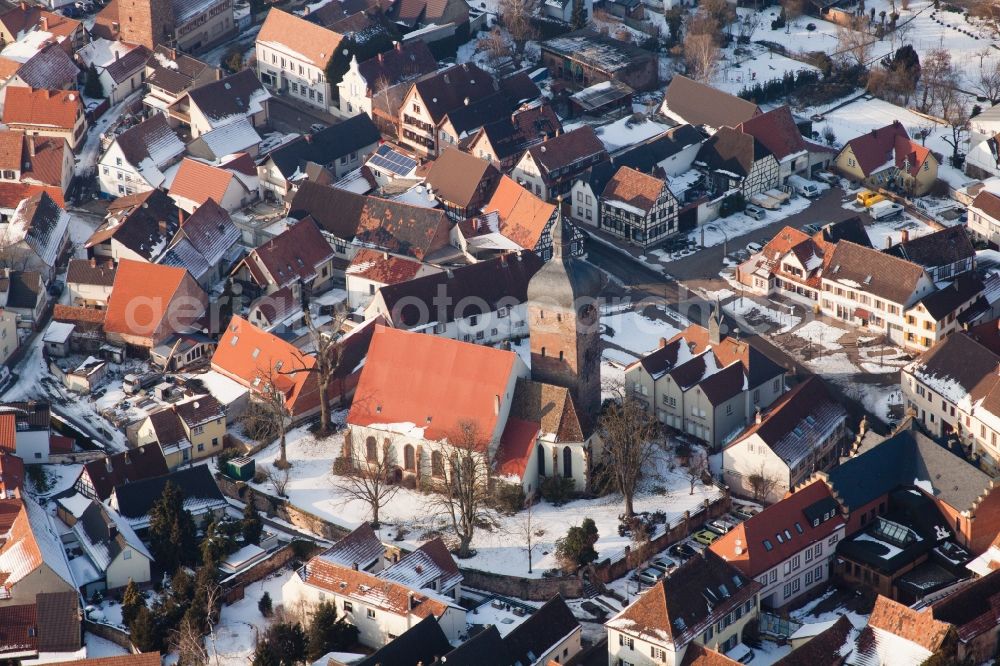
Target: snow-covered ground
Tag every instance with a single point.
(759, 316)
(883, 231)
(736, 225)
(241, 623)
(314, 487)
(638, 334)
(821, 334)
(101, 647)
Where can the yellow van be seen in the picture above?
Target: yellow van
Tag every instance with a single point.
(866, 198)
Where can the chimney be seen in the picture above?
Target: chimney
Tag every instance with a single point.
(410, 600)
(44, 21)
(354, 565)
(398, 45)
(906, 236)
(757, 417)
(888, 241)
(31, 145)
(173, 54)
(663, 343)
(739, 547)
(118, 55)
(93, 262)
(180, 217)
(496, 405)
(380, 58)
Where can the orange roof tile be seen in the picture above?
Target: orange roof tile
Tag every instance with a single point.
(11, 142)
(142, 659)
(523, 216)
(199, 182)
(143, 294)
(12, 194)
(11, 474)
(373, 590)
(75, 313)
(517, 444)
(432, 382)
(383, 267)
(8, 432)
(55, 108)
(300, 37)
(246, 354)
(634, 188)
(8, 67)
(918, 627)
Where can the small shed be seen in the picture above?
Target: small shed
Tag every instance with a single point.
(241, 469)
(602, 99)
(56, 338)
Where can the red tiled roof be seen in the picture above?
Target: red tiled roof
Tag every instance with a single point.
(517, 444)
(12, 194)
(17, 625)
(751, 556)
(432, 382)
(523, 216)
(11, 474)
(699, 655)
(634, 188)
(76, 313)
(911, 153)
(199, 182)
(246, 354)
(142, 297)
(61, 443)
(875, 148)
(918, 627)
(383, 267)
(56, 108)
(777, 130)
(8, 432)
(143, 659)
(294, 254)
(314, 42)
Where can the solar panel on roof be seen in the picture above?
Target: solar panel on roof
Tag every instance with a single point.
(388, 159)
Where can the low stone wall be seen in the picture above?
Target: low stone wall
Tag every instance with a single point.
(278, 507)
(119, 637)
(531, 589)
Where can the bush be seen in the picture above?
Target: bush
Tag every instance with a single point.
(265, 605)
(557, 490)
(259, 476)
(509, 498)
(302, 549)
(577, 547)
(224, 457)
(341, 466)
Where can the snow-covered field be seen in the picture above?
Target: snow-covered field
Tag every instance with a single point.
(313, 486)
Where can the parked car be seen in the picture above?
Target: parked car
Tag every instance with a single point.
(884, 209)
(682, 551)
(719, 526)
(867, 198)
(663, 563)
(827, 177)
(741, 653)
(649, 575)
(705, 537)
(754, 247)
(804, 187)
(317, 127)
(755, 212)
(811, 228)
(56, 287)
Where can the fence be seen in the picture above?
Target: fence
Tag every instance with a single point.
(531, 589)
(119, 637)
(234, 586)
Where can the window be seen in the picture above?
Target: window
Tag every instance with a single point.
(437, 464)
(768, 545)
(473, 320)
(348, 607)
(709, 633)
(215, 442)
(773, 576)
(625, 641)
(127, 554)
(409, 459)
(371, 450)
(658, 654)
(371, 613)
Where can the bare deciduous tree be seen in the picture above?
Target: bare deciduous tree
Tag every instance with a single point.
(747, 25)
(956, 113)
(854, 42)
(371, 482)
(516, 15)
(464, 498)
(793, 8)
(936, 76)
(761, 483)
(526, 530)
(701, 56)
(988, 83)
(496, 48)
(266, 417)
(632, 439)
(697, 467)
(190, 643)
(278, 477)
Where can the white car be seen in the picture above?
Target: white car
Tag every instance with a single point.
(754, 248)
(755, 212)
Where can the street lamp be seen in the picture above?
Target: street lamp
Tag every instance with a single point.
(725, 238)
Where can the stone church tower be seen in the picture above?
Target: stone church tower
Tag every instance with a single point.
(564, 325)
(146, 22)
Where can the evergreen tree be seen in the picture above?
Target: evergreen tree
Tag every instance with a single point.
(252, 525)
(287, 642)
(132, 601)
(144, 632)
(265, 606)
(92, 86)
(265, 655)
(579, 17)
(577, 547)
(171, 530)
(327, 633)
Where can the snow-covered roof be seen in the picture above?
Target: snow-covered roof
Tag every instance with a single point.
(57, 332)
(236, 137)
(222, 388)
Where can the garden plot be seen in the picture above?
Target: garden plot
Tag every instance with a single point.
(821, 334)
(408, 516)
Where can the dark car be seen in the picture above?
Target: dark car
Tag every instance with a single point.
(56, 287)
(682, 551)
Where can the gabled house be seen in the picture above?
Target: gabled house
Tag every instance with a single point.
(586, 193)
(173, 302)
(339, 148)
(984, 217)
(549, 168)
(423, 642)
(299, 255)
(137, 227)
(112, 553)
(196, 182)
(484, 302)
(671, 153)
(737, 160)
(98, 478)
(23, 294)
(370, 270)
(380, 609)
(45, 629)
(185, 431)
(705, 602)
(699, 104)
(361, 550)
(970, 610)
(35, 160)
(887, 157)
(32, 559)
(428, 567)
(213, 105)
(788, 547)
(170, 73)
(205, 244)
(503, 141)
(120, 66)
(218, 144)
(777, 131)
(461, 183)
(638, 208)
(362, 82)
(11, 476)
(801, 433)
(896, 633)
(24, 18)
(293, 55)
(26, 429)
(138, 157)
(944, 254)
(202, 497)
(704, 383)
(50, 67)
(897, 297)
(54, 113)
(36, 235)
